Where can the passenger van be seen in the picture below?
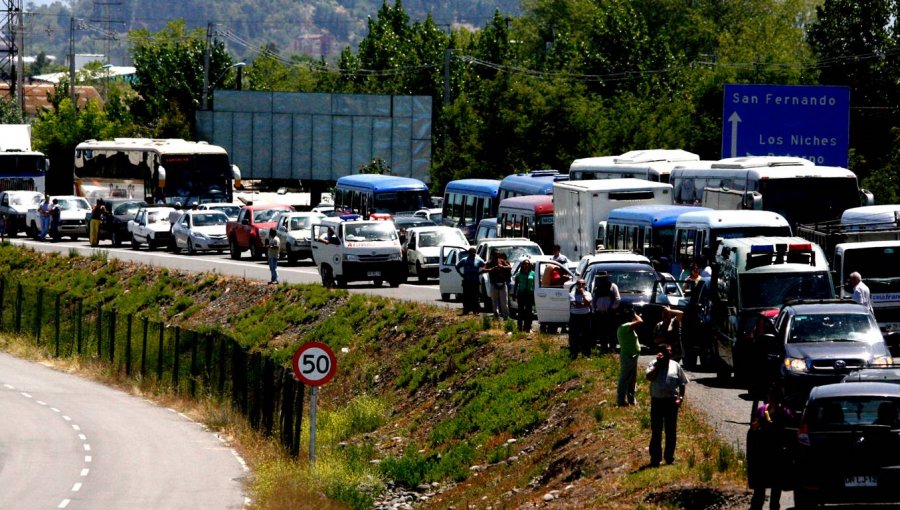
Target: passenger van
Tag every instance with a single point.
(697, 233)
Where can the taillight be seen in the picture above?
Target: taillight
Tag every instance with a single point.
(803, 434)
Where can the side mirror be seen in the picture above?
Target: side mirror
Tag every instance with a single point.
(245, 221)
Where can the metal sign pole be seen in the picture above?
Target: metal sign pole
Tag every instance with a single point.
(313, 398)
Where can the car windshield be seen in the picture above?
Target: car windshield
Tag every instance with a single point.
(300, 223)
(126, 209)
(376, 231)
(264, 215)
(210, 219)
(628, 282)
(514, 253)
(770, 290)
(852, 411)
(73, 204)
(435, 239)
(833, 327)
(27, 200)
(157, 217)
(231, 211)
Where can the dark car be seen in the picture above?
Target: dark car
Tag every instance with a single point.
(115, 224)
(820, 342)
(848, 445)
(637, 283)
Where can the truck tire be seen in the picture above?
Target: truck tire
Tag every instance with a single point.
(254, 251)
(378, 282)
(395, 283)
(235, 251)
(135, 245)
(327, 277)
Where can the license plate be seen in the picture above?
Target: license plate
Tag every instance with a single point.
(861, 481)
(373, 273)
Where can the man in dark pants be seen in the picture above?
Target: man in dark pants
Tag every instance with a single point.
(667, 385)
(579, 320)
(469, 268)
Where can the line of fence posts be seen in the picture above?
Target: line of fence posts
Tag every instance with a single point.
(266, 393)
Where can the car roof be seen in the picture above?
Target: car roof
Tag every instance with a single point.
(860, 389)
(507, 241)
(826, 307)
(620, 266)
(889, 374)
(432, 228)
(617, 256)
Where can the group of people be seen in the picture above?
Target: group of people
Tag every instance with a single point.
(49, 213)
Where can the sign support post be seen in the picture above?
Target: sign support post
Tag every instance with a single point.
(314, 364)
(313, 401)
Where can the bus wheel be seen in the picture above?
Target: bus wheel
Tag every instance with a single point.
(235, 251)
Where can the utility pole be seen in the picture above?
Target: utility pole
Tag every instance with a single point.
(72, 60)
(10, 32)
(204, 100)
(448, 54)
(20, 64)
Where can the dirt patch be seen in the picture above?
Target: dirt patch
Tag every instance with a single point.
(701, 498)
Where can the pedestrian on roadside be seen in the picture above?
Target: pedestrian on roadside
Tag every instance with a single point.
(767, 453)
(861, 293)
(607, 301)
(55, 214)
(524, 291)
(579, 320)
(44, 214)
(668, 330)
(273, 250)
(629, 350)
(469, 268)
(2, 227)
(559, 257)
(97, 213)
(667, 387)
(499, 274)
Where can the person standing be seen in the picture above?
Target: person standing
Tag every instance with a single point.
(469, 268)
(579, 320)
(524, 290)
(629, 350)
(2, 227)
(606, 309)
(667, 387)
(766, 449)
(499, 274)
(55, 214)
(44, 214)
(861, 292)
(273, 250)
(559, 257)
(97, 213)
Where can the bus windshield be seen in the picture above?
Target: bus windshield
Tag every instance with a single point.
(791, 198)
(375, 231)
(201, 177)
(21, 171)
(402, 201)
(878, 265)
(770, 290)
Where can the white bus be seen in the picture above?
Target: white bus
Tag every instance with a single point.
(793, 187)
(650, 165)
(162, 170)
(698, 233)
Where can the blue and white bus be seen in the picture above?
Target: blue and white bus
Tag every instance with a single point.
(537, 182)
(367, 194)
(648, 230)
(468, 201)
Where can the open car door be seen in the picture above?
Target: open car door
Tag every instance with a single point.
(450, 280)
(551, 293)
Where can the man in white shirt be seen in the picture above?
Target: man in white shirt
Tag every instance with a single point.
(861, 292)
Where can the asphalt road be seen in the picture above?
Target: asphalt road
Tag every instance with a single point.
(66, 442)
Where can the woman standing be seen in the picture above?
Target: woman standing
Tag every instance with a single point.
(766, 450)
(524, 289)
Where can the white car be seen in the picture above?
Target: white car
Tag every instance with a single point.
(151, 226)
(201, 230)
(422, 249)
(230, 210)
(293, 229)
(73, 217)
(451, 282)
(433, 214)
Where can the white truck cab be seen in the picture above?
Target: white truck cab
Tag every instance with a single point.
(347, 249)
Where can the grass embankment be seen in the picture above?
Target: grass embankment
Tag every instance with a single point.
(487, 416)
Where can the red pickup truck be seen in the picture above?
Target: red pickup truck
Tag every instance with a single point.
(244, 233)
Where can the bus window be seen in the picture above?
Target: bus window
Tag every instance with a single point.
(470, 213)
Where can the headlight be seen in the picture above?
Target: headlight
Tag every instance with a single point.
(394, 257)
(795, 364)
(351, 258)
(301, 242)
(431, 260)
(199, 235)
(882, 361)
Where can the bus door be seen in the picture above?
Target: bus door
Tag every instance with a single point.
(551, 292)
(450, 281)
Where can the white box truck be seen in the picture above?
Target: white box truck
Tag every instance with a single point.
(580, 209)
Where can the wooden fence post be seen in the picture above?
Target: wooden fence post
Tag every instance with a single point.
(99, 330)
(128, 320)
(112, 338)
(39, 315)
(144, 346)
(175, 363)
(78, 324)
(192, 380)
(2, 298)
(57, 322)
(159, 354)
(19, 293)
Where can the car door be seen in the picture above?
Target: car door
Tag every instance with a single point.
(450, 281)
(181, 230)
(409, 250)
(551, 292)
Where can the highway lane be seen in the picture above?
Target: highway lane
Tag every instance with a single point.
(66, 442)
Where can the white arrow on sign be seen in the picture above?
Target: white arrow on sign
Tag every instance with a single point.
(735, 119)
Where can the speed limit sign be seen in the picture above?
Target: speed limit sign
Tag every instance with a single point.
(314, 364)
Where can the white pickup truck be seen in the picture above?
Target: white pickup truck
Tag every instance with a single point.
(151, 226)
(73, 217)
(15, 205)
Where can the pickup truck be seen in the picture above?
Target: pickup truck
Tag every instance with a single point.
(244, 233)
(150, 226)
(15, 205)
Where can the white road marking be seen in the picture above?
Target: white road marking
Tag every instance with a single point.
(67, 418)
(55, 410)
(82, 437)
(76, 427)
(76, 487)
(87, 447)
(85, 471)
(25, 395)
(9, 387)
(64, 503)
(88, 458)
(41, 402)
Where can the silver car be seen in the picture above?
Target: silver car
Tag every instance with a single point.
(200, 230)
(293, 230)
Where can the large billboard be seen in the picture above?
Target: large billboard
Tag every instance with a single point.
(320, 137)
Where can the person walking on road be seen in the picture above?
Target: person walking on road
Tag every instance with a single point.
(44, 214)
(499, 274)
(629, 350)
(861, 292)
(579, 320)
(55, 213)
(667, 387)
(273, 250)
(767, 449)
(469, 268)
(97, 213)
(524, 290)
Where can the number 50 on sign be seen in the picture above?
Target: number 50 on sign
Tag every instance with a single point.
(314, 364)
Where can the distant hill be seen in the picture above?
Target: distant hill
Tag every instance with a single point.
(316, 28)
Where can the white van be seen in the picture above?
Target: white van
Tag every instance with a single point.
(347, 249)
(697, 233)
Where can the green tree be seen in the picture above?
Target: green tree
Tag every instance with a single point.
(10, 112)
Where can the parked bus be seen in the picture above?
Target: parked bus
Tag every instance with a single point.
(529, 216)
(648, 230)
(162, 170)
(468, 201)
(650, 165)
(21, 168)
(537, 182)
(793, 187)
(366, 194)
(698, 233)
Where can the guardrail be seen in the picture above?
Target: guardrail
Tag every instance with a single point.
(163, 357)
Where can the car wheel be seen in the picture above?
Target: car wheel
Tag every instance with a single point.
(327, 277)
(235, 251)
(115, 239)
(33, 231)
(190, 248)
(803, 500)
(377, 282)
(151, 245)
(12, 230)
(445, 297)
(135, 245)
(420, 274)
(292, 257)
(74, 238)
(395, 283)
